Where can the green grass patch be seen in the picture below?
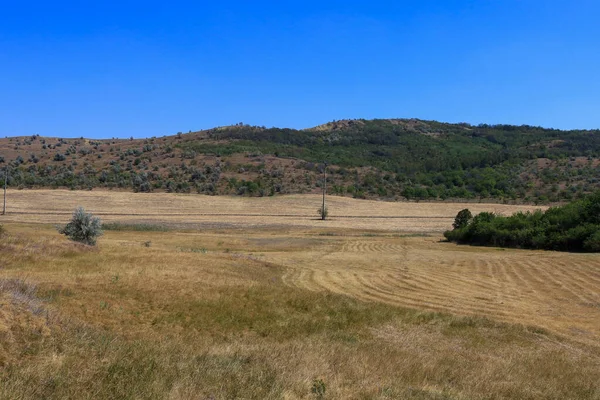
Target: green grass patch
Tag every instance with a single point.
(138, 227)
(411, 235)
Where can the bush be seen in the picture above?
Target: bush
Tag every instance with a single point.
(323, 213)
(83, 228)
(592, 243)
(318, 388)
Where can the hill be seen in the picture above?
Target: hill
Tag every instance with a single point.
(389, 159)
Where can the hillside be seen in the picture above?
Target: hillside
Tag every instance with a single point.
(389, 159)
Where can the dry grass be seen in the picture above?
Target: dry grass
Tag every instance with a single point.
(556, 291)
(273, 312)
(198, 211)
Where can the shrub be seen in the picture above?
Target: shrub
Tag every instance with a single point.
(318, 388)
(323, 213)
(83, 228)
(592, 243)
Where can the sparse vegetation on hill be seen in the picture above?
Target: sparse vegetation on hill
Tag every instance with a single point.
(393, 159)
(572, 227)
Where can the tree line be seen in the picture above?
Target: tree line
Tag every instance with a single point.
(572, 227)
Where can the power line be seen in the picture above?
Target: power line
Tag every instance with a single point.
(323, 212)
(5, 182)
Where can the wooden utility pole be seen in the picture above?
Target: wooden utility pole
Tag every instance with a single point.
(5, 181)
(323, 214)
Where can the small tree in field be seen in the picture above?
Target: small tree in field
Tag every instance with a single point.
(83, 228)
(462, 219)
(323, 213)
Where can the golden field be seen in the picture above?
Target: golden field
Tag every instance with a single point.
(198, 211)
(196, 297)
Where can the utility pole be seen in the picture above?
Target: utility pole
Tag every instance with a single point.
(323, 213)
(5, 181)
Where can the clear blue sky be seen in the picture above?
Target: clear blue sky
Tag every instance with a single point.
(153, 68)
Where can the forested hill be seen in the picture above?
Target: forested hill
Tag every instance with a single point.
(392, 159)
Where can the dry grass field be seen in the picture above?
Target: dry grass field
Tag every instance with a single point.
(194, 211)
(194, 297)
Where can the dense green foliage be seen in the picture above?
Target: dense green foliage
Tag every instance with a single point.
(572, 227)
(462, 219)
(408, 146)
(83, 227)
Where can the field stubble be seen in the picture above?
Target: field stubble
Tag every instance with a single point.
(273, 312)
(199, 211)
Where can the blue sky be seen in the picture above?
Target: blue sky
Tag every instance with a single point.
(120, 69)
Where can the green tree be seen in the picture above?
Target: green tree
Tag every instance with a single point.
(462, 219)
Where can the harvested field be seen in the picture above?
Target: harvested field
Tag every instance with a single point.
(252, 300)
(556, 291)
(370, 250)
(199, 211)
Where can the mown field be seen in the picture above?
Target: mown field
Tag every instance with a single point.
(195, 297)
(201, 212)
